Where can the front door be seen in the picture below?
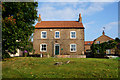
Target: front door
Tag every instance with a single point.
(57, 48)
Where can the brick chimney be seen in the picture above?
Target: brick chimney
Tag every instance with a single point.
(103, 32)
(39, 18)
(80, 18)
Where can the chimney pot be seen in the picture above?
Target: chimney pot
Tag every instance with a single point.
(80, 18)
(39, 18)
(103, 32)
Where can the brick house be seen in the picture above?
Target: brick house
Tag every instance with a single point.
(59, 37)
(101, 39)
(88, 44)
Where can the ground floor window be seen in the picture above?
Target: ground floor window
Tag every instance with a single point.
(108, 51)
(72, 47)
(43, 47)
(98, 51)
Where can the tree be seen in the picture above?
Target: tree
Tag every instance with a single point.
(117, 40)
(103, 47)
(17, 25)
(93, 50)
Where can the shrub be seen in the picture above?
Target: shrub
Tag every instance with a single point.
(5, 55)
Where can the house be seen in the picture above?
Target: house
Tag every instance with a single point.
(58, 38)
(101, 39)
(88, 45)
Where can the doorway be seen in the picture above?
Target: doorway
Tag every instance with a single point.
(57, 49)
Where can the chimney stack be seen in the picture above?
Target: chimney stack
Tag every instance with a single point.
(80, 18)
(39, 18)
(103, 32)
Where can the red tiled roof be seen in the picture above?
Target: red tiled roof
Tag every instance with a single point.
(103, 36)
(59, 24)
(88, 42)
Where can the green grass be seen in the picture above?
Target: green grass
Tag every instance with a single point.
(28, 67)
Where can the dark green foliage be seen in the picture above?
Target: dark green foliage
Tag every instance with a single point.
(102, 47)
(17, 24)
(5, 55)
(117, 40)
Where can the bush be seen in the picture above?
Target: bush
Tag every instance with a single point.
(5, 55)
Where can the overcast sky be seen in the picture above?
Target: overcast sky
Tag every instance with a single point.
(95, 16)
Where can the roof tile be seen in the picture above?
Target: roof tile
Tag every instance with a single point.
(88, 42)
(59, 24)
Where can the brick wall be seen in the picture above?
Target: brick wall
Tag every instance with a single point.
(64, 41)
(102, 39)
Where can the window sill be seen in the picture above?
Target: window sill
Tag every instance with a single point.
(43, 38)
(73, 51)
(56, 38)
(43, 51)
(72, 38)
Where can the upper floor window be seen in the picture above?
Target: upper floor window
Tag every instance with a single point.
(43, 34)
(98, 42)
(73, 48)
(73, 34)
(43, 47)
(57, 34)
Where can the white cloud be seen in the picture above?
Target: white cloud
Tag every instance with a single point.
(94, 7)
(52, 11)
(110, 26)
(77, 0)
(87, 25)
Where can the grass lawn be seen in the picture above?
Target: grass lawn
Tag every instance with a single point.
(28, 67)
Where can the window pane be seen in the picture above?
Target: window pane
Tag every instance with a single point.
(73, 34)
(57, 34)
(44, 34)
(43, 47)
(98, 42)
(73, 47)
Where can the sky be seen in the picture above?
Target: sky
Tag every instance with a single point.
(95, 16)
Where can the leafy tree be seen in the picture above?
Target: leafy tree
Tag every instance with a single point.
(102, 47)
(117, 40)
(17, 25)
(117, 48)
(93, 48)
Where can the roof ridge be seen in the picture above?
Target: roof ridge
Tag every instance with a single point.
(64, 21)
(60, 24)
(104, 35)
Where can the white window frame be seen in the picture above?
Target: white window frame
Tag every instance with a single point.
(41, 35)
(108, 51)
(71, 35)
(75, 47)
(98, 41)
(41, 47)
(55, 35)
